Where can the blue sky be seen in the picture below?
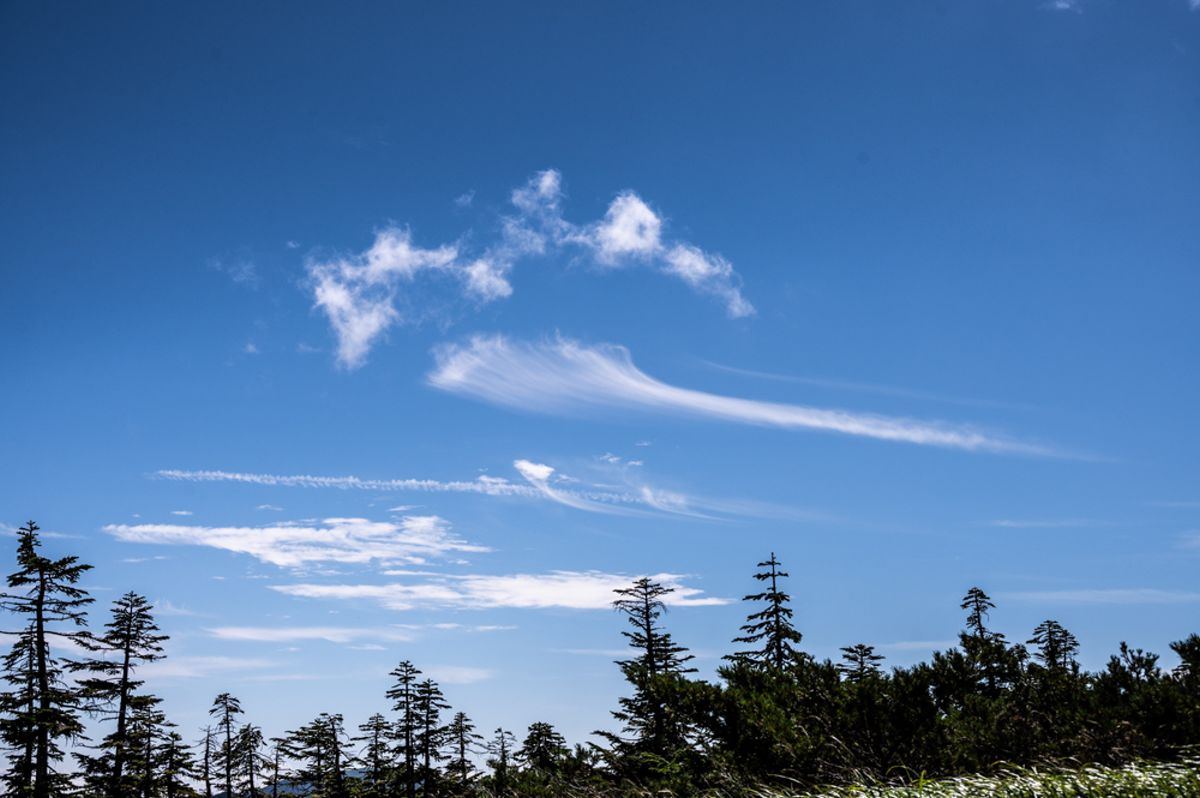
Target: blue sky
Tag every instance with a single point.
(363, 334)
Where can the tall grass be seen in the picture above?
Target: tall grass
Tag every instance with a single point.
(1141, 780)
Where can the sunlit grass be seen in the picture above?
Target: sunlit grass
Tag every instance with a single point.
(1176, 780)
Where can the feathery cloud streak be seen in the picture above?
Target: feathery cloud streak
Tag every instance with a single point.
(410, 540)
(566, 589)
(360, 293)
(564, 376)
(541, 482)
(1107, 596)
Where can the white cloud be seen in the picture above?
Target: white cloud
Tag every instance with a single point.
(567, 589)
(564, 376)
(1048, 523)
(360, 293)
(465, 200)
(293, 634)
(272, 507)
(1107, 596)
(176, 667)
(488, 280)
(411, 540)
(181, 512)
(357, 292)
(536, 487)
(629, 228)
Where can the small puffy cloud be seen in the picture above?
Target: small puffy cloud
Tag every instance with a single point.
(487, 280)
(710, 274)
(181, 512)
(361, 294)
(630, 228)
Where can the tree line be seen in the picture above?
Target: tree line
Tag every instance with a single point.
(776, 716)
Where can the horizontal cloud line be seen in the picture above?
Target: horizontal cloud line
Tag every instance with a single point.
(1107, 596)
(556, 589)
(565, 376)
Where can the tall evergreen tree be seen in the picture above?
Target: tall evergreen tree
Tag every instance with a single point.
(430, 734)
(178, 767)
(46, 708)
(500, 748)
(860, 662)
(771, 627)
(1056, 646)
(977, 604)
(375, 754)
(226, 708)
(464, 741)
(647, 715)
(206, 761)
(403, 694)
(247, 751)
(543, 749)
(132, 637)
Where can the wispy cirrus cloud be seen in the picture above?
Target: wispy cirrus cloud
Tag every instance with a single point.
(541, 481)
(296, 634)
(1048, 523)
(199, 667)
(409, 540)
(556, 589)
(360, 293)
(1107, 596)
(567, 377)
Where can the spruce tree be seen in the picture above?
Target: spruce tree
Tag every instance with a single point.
(131, 636)
(464, 741)
(247, 747)
(543, 749)
(1056, 646)
(404, 701)
(977, 603)
(771, 627)
(429, 705)
(860, 662)
(46, 709)
(225, 708)
(500, 748)
(375, 755)
(647, 715)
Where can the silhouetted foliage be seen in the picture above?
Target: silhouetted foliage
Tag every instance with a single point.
(775, 716)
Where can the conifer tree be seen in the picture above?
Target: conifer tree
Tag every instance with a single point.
(771, 627)
(375, 754)
(46, 709)
(501, 747)
(225, 708)
(977, 603)
(403, 694)
(646, 714)
(462, 737)
(430, 733)
(1056, 646)
(860, 662)
(278, 746)
(131, 636)
(206, 762)
(247, 748)
(544, 748)
(178, 765)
